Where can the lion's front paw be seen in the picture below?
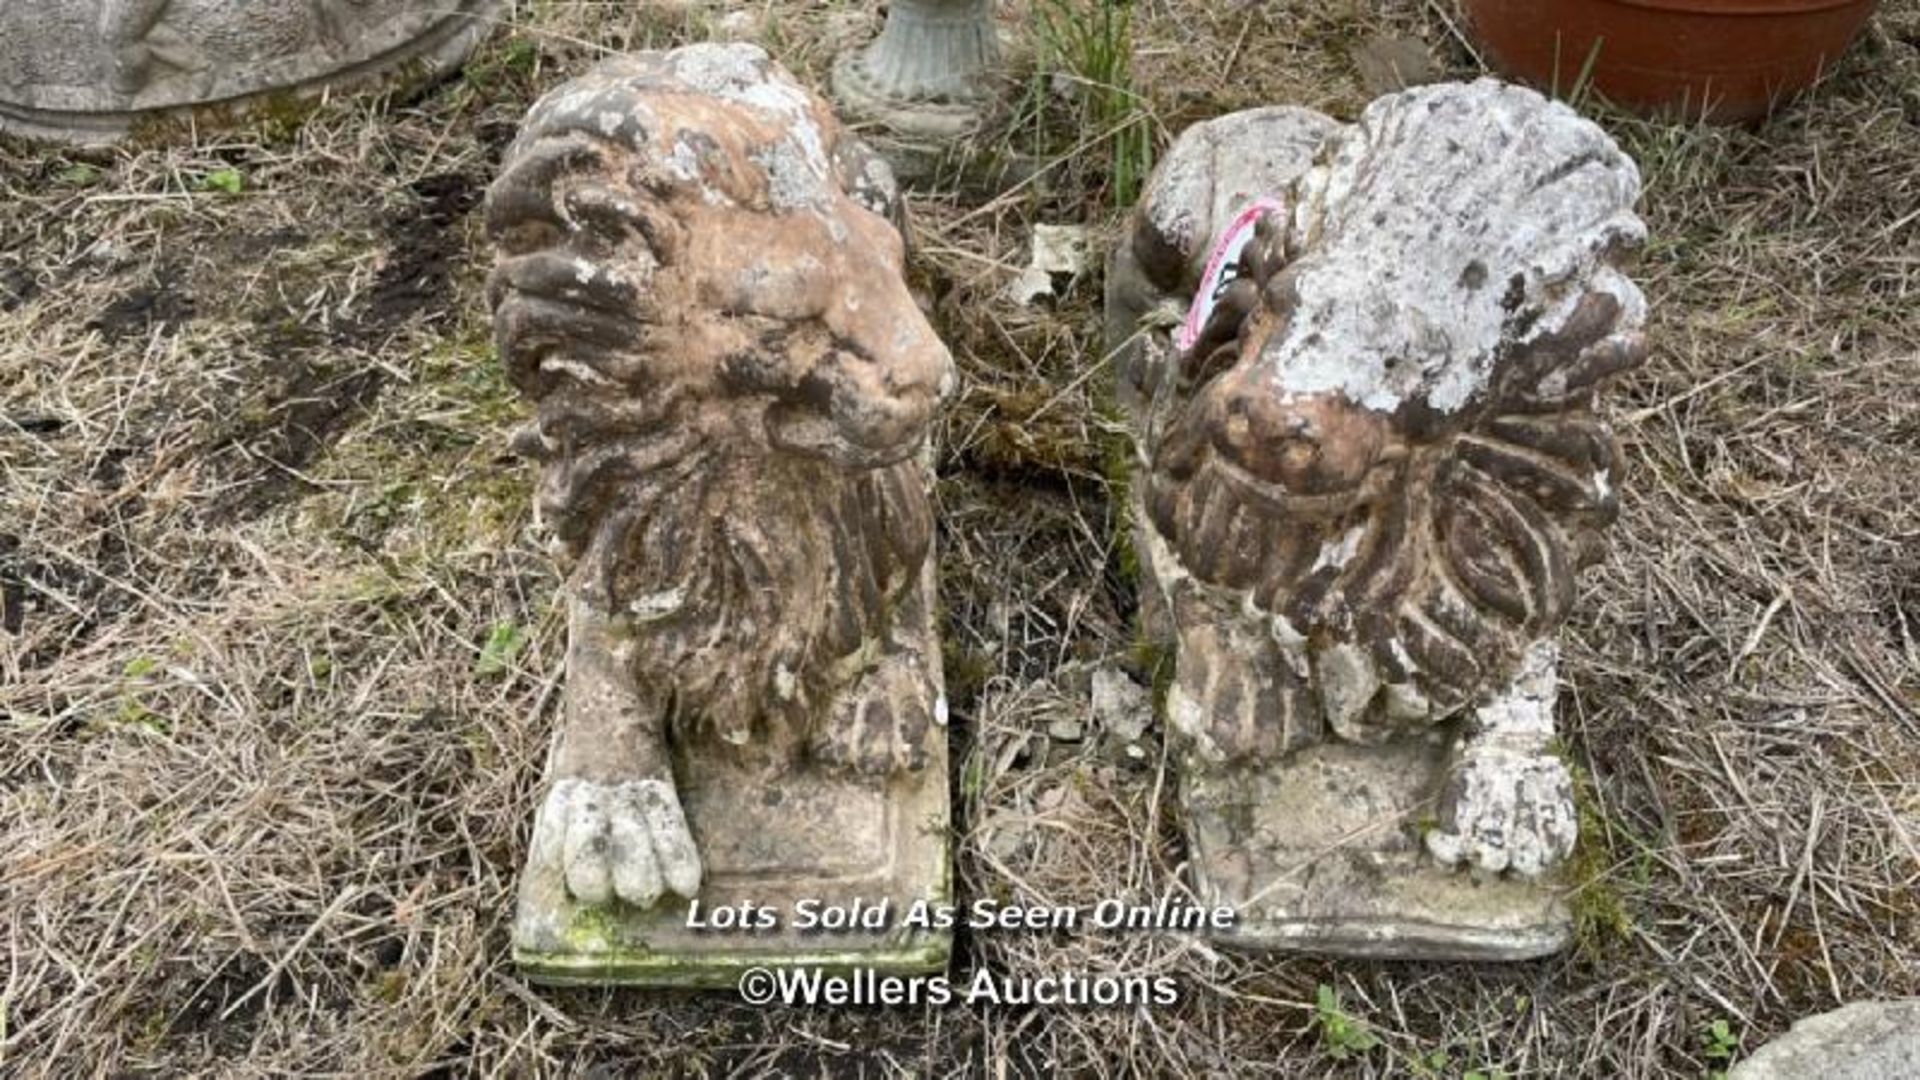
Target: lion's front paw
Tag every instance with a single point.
(881, 725)
(627, 840)
(1505, 809)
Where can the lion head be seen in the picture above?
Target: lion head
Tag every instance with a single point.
(1381, 434)
(694, 228)
(700, 287)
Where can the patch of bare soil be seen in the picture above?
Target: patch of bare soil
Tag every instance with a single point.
(263, 806)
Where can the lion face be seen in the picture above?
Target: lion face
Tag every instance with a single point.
(808, 324)
(693, 234)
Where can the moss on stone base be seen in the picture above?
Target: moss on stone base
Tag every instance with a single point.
(722, 970)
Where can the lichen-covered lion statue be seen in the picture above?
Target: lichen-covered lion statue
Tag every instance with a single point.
(1373, 457)
(700, 284)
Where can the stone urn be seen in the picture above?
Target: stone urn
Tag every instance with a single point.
(925, 81)
(1723, 60)
(90, 71)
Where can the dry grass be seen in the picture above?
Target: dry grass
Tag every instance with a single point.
(263, 804)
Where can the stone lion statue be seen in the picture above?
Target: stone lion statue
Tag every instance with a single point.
(1372, 459)
(700, 285)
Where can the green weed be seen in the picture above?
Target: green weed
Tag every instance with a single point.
(1720, 1044)
(1089, 45)
(1344, 1035)
(503, 643)
(228, 181)
(1599, 907)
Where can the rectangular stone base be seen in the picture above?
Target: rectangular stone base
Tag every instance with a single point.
(1322, 853)
(772, 841)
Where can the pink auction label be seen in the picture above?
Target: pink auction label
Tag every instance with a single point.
(1223, 266)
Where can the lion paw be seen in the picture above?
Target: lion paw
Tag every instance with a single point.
(880, 727)
(1505, 809)
(627, 840)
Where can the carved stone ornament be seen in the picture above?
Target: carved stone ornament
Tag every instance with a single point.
(700, 286)
(929, 78)
(1363, 364)
(86, 71)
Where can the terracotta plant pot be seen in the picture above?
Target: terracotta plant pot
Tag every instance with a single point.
(1727, 60)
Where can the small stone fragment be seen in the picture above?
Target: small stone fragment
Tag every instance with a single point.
(1388, 62)
(742, 25)
(1059, 252)
(1005, 836)
(1121, 707)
